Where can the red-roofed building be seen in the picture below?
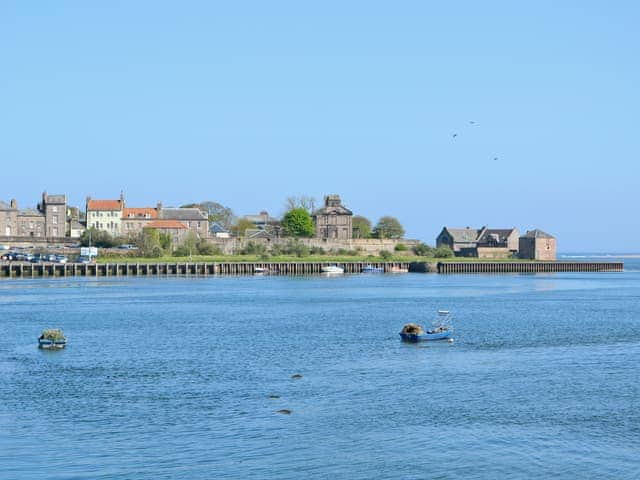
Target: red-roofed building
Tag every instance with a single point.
(105, 215)
(135, 219)
(175, 229)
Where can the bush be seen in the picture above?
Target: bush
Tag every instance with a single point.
(386, 254)
(207, 248)
(316, 251)
(253, 248)
(442, 252)
(277, 250)
(401, 247)
(181, 251)
(422, 249)
(344, 252)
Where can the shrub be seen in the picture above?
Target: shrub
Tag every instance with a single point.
(386, 254)
(207, 248)
(422, 249)
(401, 247)
(316, 251)
(253, 248)
(442, 252)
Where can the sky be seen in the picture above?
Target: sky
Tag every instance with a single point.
(248, 103)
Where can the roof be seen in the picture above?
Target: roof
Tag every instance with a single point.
(537, 234)
(333, 210)
(502, 234)
(261, 218)
(145, 212)
(463, 235)
(216, 227)
(173, 224)
(5, 206)
(29, 212)
(190, 213)
(256, 233)
(103, 205)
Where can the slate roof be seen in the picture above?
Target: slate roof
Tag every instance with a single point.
(5, 206)
(215, 227)
(537, 234)
(103, 205)
(501, 233)
(56, 199)
(262, 218)
(190, 213)
(30, 212)
(463, 235)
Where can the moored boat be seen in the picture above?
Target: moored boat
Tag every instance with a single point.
(441, 329)
(372, 269)
(52, 338)
(332, 269)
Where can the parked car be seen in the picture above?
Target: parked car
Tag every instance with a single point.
(37, 258)
(82, 259)
(127, 246)
(61, 259)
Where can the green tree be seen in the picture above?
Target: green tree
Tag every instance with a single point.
(422, 249)
(241, 226)
(361, 227)
(388, 227)
(165, 241)
(97, 238)
(150, 243)
(216, 212)
(297, 223)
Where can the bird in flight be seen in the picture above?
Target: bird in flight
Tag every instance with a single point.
(455, 135)
(471, 122)
(495, 159)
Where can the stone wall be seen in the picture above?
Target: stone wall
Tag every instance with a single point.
(493, 252)
(368, 246)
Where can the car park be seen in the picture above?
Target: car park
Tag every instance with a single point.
(60, 259)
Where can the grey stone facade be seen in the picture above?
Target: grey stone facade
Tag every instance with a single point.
(538, 245)
(8, 219)
(333, 221)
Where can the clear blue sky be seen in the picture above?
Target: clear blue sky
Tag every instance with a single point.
(247, 103)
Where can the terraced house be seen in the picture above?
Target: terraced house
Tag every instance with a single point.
(105, 215)
(47, 220)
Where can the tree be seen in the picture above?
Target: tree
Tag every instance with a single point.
(443, 251)
(298, 223)
(361, 227)
(216, 212)
(241, 226)
(150, 243)
(97, 238)
(303, 201)
(422, 249)
(388, 227)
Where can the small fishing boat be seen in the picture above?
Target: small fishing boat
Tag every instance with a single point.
(52, 338)
(332, 269)
(372, 269)
(260, 271)
(398, 270)
(441, 329)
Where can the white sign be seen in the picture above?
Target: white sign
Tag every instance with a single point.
(89, 251)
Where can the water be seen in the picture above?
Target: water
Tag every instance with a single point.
(172, 378)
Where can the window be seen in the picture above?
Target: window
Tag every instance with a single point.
(54, 209)
(54, 220)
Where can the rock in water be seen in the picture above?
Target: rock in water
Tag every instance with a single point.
(284, 411)
(296, 376)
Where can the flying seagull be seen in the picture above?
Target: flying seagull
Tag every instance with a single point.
(471, 122)
(495, 158)
(455, 135)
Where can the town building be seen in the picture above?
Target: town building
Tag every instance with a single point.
(54, 209)
(333, 221)
(191, 217)
(538, 245)
(9, 218)
(134, 220)
(481, 243)
(176, 230)
(105, 215)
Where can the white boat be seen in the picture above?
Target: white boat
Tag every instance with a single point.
(332, 269)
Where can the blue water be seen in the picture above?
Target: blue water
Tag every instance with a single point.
(172, 378)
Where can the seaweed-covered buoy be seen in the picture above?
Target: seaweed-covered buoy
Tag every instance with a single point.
(273, 396)
(284, 411)
(296, 376)
(52, 338)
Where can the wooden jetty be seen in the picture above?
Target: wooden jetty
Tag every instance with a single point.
(528, 267)
(44, 270)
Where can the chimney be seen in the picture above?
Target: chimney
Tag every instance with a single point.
(121, 199)
(14, 204)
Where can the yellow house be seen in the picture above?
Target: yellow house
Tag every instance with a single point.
(105, 215)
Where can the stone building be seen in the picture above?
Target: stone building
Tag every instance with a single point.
(54, 209)
(8, 219)
(333, 221)
(191, 217)
(481, 243)
(135, 219)
(48, 220)
(538, 245)
(176, 230)
(105, 215)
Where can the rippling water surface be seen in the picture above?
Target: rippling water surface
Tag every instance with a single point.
(173, 378)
